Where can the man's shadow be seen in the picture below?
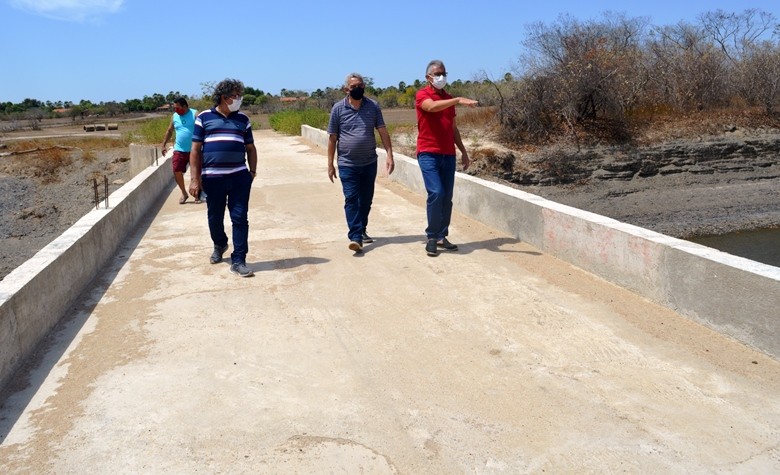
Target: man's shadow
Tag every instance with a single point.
(282, 264)
(493, 245)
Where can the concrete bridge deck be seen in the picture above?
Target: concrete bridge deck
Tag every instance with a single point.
(494, 359)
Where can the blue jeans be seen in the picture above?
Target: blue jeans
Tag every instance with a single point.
(438, 172)
(358, 186)
(231, 190)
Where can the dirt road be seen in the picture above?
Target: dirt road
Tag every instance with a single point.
(494, 359)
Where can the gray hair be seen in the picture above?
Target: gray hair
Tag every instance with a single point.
(227, 87)
(432, 65)
(352, 75)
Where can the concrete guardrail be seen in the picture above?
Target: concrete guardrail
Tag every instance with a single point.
(35, 295)
(732, 295)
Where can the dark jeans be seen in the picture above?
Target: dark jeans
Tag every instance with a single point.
(438, 173)
(358, 186)
(231, 191)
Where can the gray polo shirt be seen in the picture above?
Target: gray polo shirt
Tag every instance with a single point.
(354, 130)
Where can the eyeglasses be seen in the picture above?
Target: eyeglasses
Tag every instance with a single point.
(443, 73)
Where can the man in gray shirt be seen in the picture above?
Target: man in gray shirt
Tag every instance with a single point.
(351, 134)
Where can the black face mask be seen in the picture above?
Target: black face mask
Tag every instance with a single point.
(357, 93)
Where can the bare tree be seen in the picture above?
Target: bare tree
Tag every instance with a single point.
(759, 75)
(736, 33)
(530, 111)
(596, 69)
(496, 86)
(687, 70)
(34, 118)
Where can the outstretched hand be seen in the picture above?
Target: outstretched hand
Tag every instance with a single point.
(465, 101)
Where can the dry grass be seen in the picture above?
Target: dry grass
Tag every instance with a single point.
(95, 143)
(660, 125)
(84, 143)
(478, 117)
(46, 164)
(671, 126)
(46, 158)
(399, 116)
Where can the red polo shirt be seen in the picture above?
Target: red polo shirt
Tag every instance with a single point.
(435, 130)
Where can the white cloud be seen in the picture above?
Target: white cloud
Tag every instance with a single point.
(70, 10)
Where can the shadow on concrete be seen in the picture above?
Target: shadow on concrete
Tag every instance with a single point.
(493, 245)
(281, 264)
(29, 378)
(380, 241)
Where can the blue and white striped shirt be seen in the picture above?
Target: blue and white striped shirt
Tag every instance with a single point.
(224, 141)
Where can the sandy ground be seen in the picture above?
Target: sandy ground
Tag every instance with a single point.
(494, 359)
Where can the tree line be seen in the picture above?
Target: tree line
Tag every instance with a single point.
(255, 100)
(40, 109)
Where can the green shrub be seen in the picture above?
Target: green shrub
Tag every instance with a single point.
(290, 121)
(150, 131)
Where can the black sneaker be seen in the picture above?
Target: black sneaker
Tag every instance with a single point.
(430, 248)
(241, 269)
(446, 245)
(356, 246)
(216, 256)
(367, 239)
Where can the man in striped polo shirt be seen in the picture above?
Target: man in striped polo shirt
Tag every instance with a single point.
(222, 147)
(351, 133)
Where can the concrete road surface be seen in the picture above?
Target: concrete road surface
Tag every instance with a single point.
(493, 359)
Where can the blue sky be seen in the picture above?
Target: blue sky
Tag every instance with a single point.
(104, 50)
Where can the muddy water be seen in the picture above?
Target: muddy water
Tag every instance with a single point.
(762, 245)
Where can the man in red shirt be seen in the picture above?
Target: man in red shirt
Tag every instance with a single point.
(437, 137)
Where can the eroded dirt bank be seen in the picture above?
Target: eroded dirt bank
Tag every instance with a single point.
(682, 189)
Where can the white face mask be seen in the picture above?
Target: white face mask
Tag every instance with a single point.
(439, 82)
(236, 104)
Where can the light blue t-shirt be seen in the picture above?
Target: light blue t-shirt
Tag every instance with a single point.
(184, 125)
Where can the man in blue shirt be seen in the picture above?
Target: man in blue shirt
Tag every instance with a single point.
(351, 133)
(222, 147)
(183, 122)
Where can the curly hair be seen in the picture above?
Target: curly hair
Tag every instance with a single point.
(227, 87)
